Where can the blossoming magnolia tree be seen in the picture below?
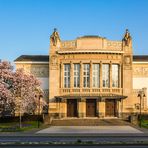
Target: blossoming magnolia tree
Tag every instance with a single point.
(6, 99)
(18, 89)
(6, 96)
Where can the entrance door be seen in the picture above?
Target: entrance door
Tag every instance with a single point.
(71, 108)
(110, 108)
(90, 108)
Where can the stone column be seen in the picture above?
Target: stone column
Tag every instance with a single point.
(71, 76)
(64, 108)
(102, 109)
(91, 75)
(82, 108)
(101, 75)
(61, 75)
(110, 76)
(97, 108)
(120, 85)
(81, 75)
(119, 109)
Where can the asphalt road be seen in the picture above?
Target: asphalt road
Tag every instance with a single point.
(127, 146)
(73, 139)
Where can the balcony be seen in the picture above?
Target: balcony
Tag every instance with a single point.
(89, 91)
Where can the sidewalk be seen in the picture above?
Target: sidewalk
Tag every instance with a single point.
(89, 130)
(81, 131)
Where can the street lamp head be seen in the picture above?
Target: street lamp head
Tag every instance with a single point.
(139, 95)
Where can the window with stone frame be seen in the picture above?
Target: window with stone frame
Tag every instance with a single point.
(66, 75)
(86, 75)
(105, 75)
(96, 75)
(115, 75)
(76, 75)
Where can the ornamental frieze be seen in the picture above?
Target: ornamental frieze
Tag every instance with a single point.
(114, 45)
(140, 71)
(92, 56)
(54, 62)
(40, 71)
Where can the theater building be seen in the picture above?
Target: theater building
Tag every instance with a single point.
(90, 76)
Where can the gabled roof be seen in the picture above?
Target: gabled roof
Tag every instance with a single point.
(140, 58)
(33, 58)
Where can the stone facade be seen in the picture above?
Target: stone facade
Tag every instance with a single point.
(70, 77)
(90, 50)
(40, 70)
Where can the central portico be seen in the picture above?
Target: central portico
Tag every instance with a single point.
(90, 76)
(90, 106)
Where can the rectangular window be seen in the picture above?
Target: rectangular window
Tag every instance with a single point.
(96, 75)
(86, 75)
(105, 75)
(115, 75)
(76, 75)
(67, 75)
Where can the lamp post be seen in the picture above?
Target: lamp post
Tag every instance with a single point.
(39, 111)
(20, 115)
(39, 92)
(141, 95)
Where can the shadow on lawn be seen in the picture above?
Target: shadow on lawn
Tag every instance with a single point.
(14, 126)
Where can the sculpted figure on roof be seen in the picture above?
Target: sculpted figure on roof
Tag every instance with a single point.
(54, 38)
(127, 38)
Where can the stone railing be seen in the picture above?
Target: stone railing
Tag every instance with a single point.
(88, 91)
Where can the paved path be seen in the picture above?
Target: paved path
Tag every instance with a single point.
(88, 129)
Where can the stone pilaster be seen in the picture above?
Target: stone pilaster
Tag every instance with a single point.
(101, 75)
(120, 76)
(102, 109)
(97, 108)
(119, 109)
(82, 108)
(91, 74)
(110, 76)
(81, 75)
(71, 75)
(61, 72)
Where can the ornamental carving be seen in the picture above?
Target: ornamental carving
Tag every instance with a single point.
(114, 45)
(140, 71)
(127, 60)
(40, 71)
(54, 60)
(127, 38)
(54, 38)
(68, 44)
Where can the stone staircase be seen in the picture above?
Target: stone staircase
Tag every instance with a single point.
(88, 122)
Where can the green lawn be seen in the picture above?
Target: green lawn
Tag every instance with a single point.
(145, 123)
(14, 126)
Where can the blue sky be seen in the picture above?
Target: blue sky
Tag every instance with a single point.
(26, 25)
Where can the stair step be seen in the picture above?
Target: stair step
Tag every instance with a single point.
(88, 122)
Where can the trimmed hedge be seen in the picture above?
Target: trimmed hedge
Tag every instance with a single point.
(24, 118)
